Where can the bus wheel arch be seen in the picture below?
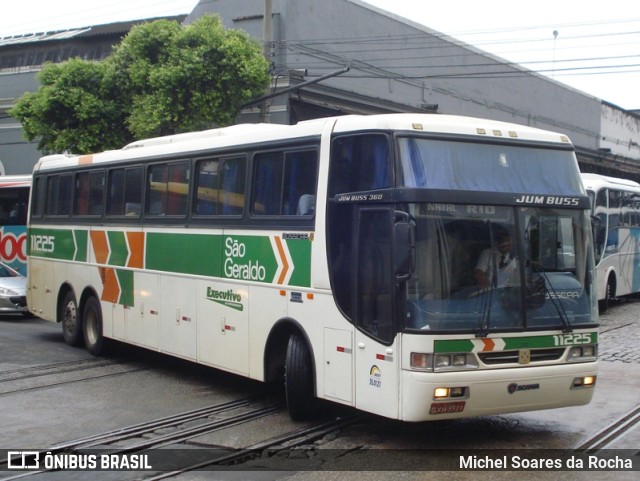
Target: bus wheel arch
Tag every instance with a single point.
(289, 357)
(69, 316)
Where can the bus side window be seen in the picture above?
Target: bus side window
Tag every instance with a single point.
(220, 186)
(125, 192)
(38, 196)
(89, 193)
(168, 189)
(360, 163)
(59, 193)
(282, 179)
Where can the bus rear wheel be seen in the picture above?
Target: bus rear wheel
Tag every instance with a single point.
(609, 294)
(70, 320)
(92, 327)
(298, 379)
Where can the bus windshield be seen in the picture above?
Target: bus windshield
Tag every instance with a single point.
(486, 268)
(440, 164)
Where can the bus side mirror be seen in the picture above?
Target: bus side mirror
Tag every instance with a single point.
(404, 247)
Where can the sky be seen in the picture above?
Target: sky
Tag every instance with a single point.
(590, 45)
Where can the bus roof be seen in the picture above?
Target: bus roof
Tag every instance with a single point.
(597, 181)
(15, 180)
(242, 134)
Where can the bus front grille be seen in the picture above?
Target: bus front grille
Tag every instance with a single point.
(513, 357)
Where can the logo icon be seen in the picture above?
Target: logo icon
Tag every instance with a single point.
(23, 459)
(524, 356)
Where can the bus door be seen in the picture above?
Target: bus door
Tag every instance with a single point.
(377, 356)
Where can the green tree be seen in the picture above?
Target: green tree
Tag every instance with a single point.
(163, 78)
(72, 110)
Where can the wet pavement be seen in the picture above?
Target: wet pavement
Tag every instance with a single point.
(152, 385)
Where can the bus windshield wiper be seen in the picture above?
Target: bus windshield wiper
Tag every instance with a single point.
(553, 296)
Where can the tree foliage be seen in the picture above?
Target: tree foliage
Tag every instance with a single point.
(163, 78)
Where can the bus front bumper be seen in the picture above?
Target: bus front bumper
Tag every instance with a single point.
(495, 391)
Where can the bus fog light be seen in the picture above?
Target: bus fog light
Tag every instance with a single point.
(457, 392)
(420, 360)
(441, 393)
(583, 382)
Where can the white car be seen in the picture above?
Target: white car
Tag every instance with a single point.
(13, 291)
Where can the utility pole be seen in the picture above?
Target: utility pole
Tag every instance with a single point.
(265, 116)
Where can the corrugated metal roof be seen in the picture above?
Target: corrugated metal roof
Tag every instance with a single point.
(89, 31)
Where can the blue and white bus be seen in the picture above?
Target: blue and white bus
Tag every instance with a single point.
(615, 210)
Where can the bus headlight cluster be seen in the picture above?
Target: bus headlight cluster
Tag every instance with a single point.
(443, 362)
(586, 352)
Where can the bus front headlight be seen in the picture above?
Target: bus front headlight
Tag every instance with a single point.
(443, 362)
(586, 352)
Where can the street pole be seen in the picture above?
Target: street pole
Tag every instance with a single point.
(266, 51)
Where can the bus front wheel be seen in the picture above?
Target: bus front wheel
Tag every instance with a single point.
(298, 379)
(92, 327)
(71, 324)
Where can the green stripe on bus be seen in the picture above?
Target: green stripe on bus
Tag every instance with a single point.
(452, 345)
(125, 279)
(515, 343)
(259, 258)
(300, 250)
(81, 239)
(184, 253)
(119, 251)
(52, 243)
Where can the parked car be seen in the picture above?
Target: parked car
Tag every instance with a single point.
(13, 291)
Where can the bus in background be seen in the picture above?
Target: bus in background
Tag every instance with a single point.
(615, 210)
(14, 199)
(340, 256)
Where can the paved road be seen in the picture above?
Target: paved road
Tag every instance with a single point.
(51, 393)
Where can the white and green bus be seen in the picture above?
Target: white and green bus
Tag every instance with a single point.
(338, 255)
(615, 207)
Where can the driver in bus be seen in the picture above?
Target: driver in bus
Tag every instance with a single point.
(498, 260)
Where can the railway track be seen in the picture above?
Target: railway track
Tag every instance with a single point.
(180, 431)
(608, 437)
(168, 431)
(57, 374)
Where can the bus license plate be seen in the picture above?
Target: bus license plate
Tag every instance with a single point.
(446, 408)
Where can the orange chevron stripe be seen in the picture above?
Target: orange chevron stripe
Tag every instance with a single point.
(111, 290)
(100, 246)
(489, 344)
(285, 267)
(136, 249)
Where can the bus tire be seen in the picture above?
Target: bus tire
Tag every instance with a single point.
(94, 340)
(70, 320)
(609, 294)
(298, 379)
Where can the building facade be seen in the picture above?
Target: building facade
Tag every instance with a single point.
(345, 56)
